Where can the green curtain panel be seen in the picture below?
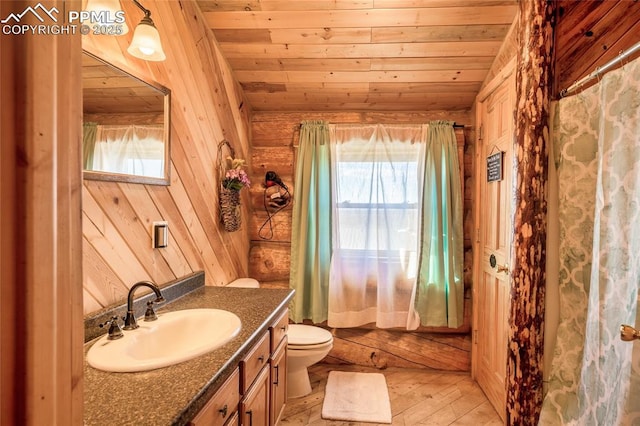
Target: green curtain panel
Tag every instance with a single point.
(89, 131)
(440, 290)
(311, 227)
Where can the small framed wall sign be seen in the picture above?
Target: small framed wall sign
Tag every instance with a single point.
(494, 167)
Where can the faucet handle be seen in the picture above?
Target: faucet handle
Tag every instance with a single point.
(115, 332)
(149, 314)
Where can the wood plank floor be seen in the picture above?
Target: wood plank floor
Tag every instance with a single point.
(418, 397)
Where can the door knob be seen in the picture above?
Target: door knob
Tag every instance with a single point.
(628, 333)
(503, 268)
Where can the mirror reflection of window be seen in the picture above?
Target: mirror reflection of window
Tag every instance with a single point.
(135, 149)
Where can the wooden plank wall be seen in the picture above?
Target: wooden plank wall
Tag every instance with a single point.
(590, 33)
(206, 107)
(274, 136)
(41, 358)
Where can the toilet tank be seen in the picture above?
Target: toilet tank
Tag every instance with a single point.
(244, 283)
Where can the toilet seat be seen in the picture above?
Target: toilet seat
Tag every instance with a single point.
(308, 347)
(307, 337)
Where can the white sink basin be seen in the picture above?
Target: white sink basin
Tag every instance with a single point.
(173, 338)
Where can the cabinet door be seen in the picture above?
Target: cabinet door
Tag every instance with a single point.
(278, 381)
(255, 405)
(222, 406)
(234, 420)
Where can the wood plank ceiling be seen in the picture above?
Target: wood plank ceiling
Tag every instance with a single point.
(360, 55)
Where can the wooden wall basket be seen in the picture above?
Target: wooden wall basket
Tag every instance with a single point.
(229, 199)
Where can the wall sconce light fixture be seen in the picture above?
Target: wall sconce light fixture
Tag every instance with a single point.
(145, 43)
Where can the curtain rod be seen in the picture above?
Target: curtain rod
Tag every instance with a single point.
(600, 70)
(455, 126)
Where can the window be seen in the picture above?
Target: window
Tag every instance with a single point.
(377, 199)
(377, 207)
(394, 249)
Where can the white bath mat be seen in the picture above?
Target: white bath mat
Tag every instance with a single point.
(356, 397)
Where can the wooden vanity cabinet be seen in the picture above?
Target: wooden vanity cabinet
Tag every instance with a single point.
(254, 384)
(278, 362)
(278, 382)
(256, 393)
(222, 408)
(234, 420)
(254, 407)
(254, 362)
(279, 330)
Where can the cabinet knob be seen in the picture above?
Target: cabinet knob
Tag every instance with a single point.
(261, 359)
(223, 411)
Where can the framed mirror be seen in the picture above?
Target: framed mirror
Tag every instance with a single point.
(126, 124)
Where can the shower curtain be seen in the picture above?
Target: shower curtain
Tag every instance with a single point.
(595, 376)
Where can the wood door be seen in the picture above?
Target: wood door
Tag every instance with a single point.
(493, 241)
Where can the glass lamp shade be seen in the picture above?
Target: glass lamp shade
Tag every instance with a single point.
(106, 10)
(145, 43)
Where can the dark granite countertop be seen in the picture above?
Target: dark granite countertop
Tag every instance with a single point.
(174, 395)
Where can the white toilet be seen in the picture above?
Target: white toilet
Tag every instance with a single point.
(306, 346)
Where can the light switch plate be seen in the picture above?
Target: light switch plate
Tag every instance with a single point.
(160, 234)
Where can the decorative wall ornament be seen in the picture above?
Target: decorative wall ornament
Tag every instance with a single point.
(233, 178)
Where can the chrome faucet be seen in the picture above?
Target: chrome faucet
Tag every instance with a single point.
(130, 320)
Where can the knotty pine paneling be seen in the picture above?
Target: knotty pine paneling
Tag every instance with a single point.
(588, 34)
(206, 107)
(377, 17)
(274, 136)
(360, 55)
(507, 52)
(266, 5)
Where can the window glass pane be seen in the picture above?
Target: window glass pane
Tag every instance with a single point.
(377, 201)
(360, 231)
(377, 183)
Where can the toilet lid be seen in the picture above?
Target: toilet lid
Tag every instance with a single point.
(300, 335)
(244, 283)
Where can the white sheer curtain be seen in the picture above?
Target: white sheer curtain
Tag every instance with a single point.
(377, 184)
(133, 149)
